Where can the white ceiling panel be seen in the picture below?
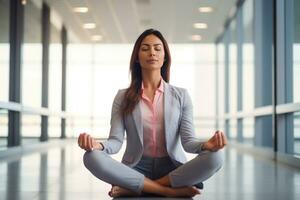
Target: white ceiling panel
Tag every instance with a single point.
(121, 21)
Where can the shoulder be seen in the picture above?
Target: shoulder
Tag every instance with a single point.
(120, 94)
(180, 94)
(177, 91)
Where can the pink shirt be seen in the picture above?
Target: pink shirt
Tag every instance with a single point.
(153, 123)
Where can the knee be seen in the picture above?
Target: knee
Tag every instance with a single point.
(215, 159)
(92, 159)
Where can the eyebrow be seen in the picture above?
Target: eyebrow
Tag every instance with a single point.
(153, 45)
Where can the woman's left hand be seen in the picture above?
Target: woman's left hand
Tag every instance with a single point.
(216, 142)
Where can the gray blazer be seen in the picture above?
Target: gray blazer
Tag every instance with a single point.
(179, 127)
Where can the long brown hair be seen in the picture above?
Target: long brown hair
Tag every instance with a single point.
(133, 93)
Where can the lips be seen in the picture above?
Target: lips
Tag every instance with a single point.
(151, 61)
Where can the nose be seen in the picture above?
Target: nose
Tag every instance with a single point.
(152, 52)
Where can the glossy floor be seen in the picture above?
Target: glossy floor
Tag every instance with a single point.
(59, 174)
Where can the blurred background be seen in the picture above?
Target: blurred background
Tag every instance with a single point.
(63, 61)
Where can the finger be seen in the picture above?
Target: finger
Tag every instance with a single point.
(90, 143)
(217, 139)
(220, 139)
(81, 140)
(85, 141)
(224, 139)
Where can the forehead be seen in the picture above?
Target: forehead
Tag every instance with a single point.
(151, 39)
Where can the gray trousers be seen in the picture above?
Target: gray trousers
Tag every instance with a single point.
(197, 170)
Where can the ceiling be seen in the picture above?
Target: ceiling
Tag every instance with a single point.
(121, 21)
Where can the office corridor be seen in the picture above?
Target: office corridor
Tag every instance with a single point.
(57, 172)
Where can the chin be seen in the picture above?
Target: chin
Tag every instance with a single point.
(152, 67)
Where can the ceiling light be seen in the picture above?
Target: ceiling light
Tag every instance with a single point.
(200, 25)
(196, 37)
(97, 37)
(205, 9)
(81, 9)
(89, 25)
(23, 2)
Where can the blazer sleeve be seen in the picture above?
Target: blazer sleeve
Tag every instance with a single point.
(117, 128)
(186, 127)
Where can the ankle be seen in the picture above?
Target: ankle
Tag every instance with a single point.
(169, 192)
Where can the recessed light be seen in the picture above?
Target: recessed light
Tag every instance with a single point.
(196, 37)
(89, 25)
(81, 9)
(97, 37)
(205, 9)
(200, 25)
(23, 2)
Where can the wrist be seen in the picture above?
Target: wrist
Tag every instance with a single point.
(98, 146)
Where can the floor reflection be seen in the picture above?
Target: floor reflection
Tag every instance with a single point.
(60, 174)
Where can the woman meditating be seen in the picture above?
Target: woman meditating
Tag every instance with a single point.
(158, 120)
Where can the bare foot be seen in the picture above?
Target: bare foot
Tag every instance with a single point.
(117, 191)
(182, 192)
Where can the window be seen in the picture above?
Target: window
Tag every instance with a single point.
(4, 69)
(4, 50)
(233, 79)
(248, 71)
(55, 81)
(31, 71)
(32, 56)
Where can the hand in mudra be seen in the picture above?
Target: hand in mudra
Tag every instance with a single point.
(86, 142)
(216, 142)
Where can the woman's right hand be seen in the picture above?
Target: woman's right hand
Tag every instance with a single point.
(86, 142)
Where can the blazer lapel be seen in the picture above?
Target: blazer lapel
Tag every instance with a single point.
(167, 109)
(137, 118)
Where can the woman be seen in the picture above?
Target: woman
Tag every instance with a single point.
(158, 121)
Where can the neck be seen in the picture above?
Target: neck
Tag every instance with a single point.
(151, 79)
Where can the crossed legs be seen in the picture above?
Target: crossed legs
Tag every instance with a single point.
(130, 182)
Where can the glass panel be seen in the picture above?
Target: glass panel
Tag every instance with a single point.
(77, 125)
(204, 128)
(55, 70)
(222, 125)
(79, 81)
(232, 69)
(248, 57)
(3, 128)
(221, 83)
(227, 128)
(32, 56)
(221, 78)
(70, 128)
(4, 49)
(54, 128)
(263, 131)
(248, 130)
(296, 52)
(297, 132)
(31, 128)
(233, 128)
